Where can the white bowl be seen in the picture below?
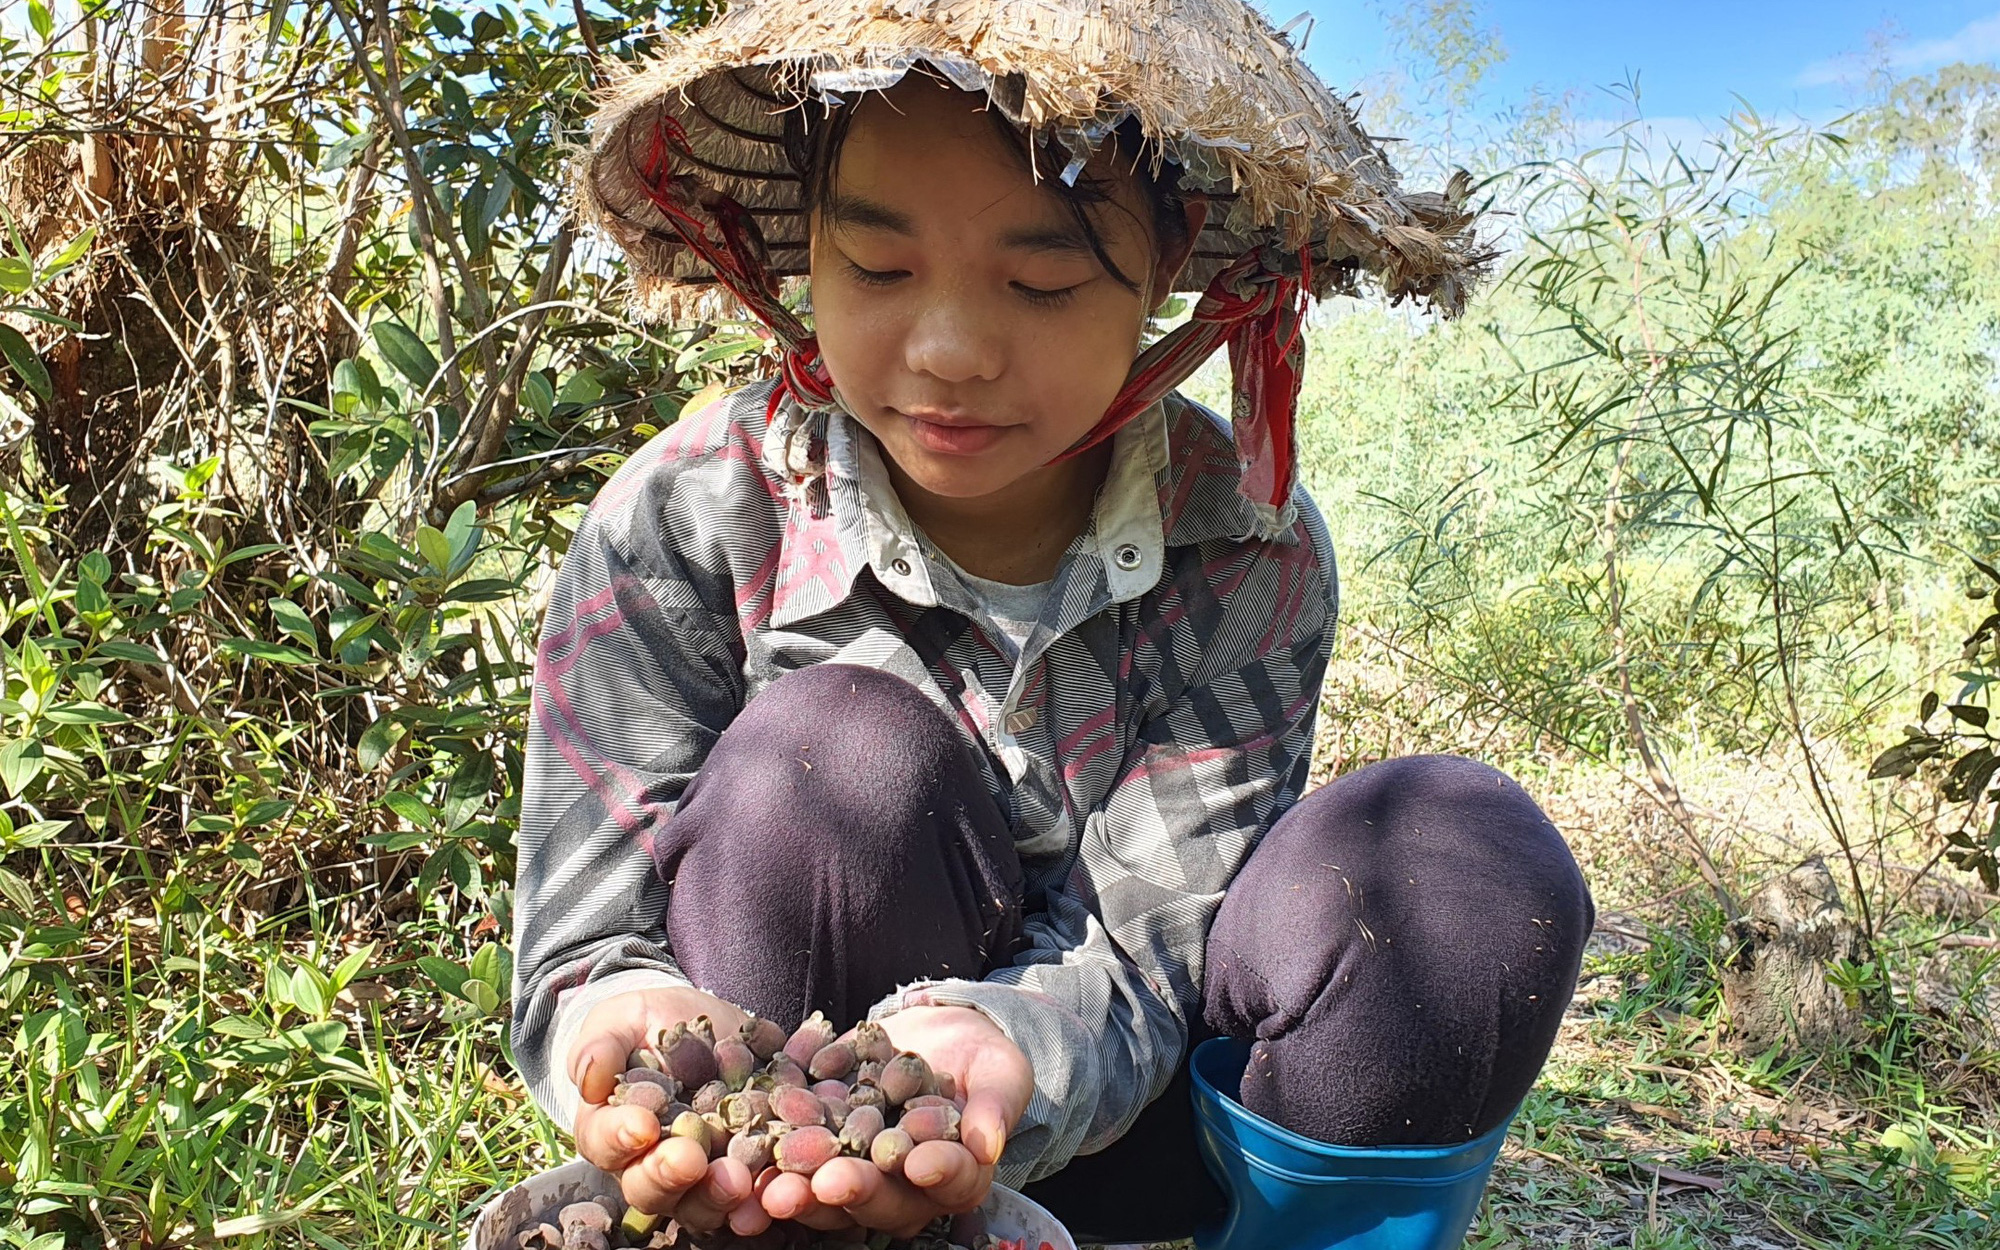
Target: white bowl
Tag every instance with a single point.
(1007, 1213)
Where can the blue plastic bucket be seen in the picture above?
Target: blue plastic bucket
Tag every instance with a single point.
(1288, 1192)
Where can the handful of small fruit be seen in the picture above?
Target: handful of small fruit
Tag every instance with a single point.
(768, 1100)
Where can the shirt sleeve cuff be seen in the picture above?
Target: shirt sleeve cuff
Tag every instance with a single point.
(1062, 1053)
(571, 1010)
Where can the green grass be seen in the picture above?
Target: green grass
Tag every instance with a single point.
(216, 1076)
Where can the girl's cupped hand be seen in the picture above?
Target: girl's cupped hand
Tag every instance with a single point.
(939, 1177)
(670, 1176)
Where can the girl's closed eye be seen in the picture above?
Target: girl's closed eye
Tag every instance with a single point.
(1042, 296)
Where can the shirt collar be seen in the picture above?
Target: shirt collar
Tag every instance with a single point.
(1151, 499)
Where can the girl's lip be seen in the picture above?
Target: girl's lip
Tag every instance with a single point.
(951, 437)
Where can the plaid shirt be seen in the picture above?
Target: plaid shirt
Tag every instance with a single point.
(1157, 720)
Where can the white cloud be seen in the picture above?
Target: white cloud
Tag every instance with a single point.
(1975, 41)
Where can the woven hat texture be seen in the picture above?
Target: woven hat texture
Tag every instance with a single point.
(1224, 95)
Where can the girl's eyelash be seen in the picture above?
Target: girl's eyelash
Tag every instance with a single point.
(870, 277)
(1046, 299)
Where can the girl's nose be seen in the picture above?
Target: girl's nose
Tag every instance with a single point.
(953, 343)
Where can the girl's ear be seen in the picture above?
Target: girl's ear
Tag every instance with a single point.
(1172, 261)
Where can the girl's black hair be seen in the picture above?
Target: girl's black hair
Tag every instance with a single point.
(814, 153)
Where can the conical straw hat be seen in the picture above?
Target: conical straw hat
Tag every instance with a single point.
(1226, 96)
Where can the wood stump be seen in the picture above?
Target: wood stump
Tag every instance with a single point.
(1775, 962)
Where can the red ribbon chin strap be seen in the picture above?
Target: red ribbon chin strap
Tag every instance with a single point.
(1257, 309)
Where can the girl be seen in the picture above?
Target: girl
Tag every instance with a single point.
(963, 676)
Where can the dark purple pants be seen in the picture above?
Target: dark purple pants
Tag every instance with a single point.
(817, 870)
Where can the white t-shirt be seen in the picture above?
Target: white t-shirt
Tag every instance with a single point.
(1015, 609)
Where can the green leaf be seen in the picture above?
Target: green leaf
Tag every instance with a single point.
(26, 362)
(582, 388)
(482, 996)
(292, 619)
(411, 808)
(20, 762)
(238, 1026)
(264, 811)
(461, 533)
(538, 394)
(481, 590)
(435, 546)
(324, 1036)
(41, 19)
(379, 739)
(493, 965)
(444, 974)
(309, 990)
(347, 969)
(258, 649)
(89, 713)
(15, 275)
(137, 652)
(406, 353)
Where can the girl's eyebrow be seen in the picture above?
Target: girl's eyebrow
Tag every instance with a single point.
(860, 212)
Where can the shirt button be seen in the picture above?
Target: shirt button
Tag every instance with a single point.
(1021, 721)
(1128, 557)
(901, 566)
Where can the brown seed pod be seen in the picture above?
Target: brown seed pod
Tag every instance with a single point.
(829, 1088)
(931, 1123)
(784, 1070)
(947, 1085)
(585, 1239)
(703, 1028)
(745, 1111)
(797, 1106)
(753, 1150)
(866, 1096)
(927, 1100)
(709, 1097)
(690, 1057)
(765, 1037)
(654, 1098)
(540, 1237)
(804, 1150)
(646, 1057)
(690, 1125)
(836, 1111)
(735, 1063)
(834, 1061)
(905, 1077)
(633, 1076)
(808, 1038)
(858, 1133)
(718, 1134)
(869, 1070)
(890, 1147)
(585, 1215)
(871, 1043)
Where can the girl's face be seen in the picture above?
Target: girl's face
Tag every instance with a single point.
(960, 311)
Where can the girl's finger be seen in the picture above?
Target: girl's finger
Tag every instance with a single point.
(847, 1183)
(983, 1127)
(706, 1206)
(790, 1197)
(666, 1172)
(749, 1219)
(948, 1175)
(873, 1199)
(597, 1064)
(612, 1137)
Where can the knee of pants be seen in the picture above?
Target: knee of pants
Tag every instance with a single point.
(1402, 946)
(833, 762)
(1414, 875)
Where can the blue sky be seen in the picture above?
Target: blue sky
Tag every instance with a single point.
(1784, 56)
